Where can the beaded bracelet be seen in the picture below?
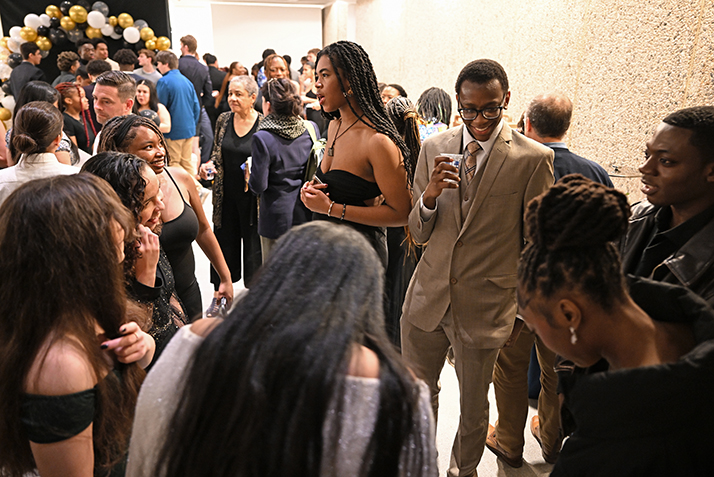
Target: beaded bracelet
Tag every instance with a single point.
(344, 207)
(329, 209)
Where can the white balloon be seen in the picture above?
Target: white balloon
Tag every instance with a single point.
(107, 30)
(15, 32)
(13, 45)
(9, 102)
(116, 35)
(32, 20)
(96, 19)
(132, 35)
(45, 20)
(5, 71)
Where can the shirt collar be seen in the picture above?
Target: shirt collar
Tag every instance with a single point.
(681, 234)
(555, 144)
(486, 146)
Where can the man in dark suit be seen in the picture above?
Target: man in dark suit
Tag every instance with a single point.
(547, 119)
(197, 74)
(217, 77)
(27, 70)
(463, 292)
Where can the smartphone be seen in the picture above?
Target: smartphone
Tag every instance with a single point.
(316, 180)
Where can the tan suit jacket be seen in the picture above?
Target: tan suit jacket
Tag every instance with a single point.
(473, 266)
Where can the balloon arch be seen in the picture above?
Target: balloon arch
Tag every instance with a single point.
(60, 26)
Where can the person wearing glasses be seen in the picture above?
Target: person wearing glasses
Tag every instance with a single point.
(463, 292)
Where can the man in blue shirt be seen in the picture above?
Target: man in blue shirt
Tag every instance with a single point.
(177, 94)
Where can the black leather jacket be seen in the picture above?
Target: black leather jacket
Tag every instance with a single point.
(691, 266)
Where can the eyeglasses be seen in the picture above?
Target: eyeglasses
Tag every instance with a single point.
(468, 114)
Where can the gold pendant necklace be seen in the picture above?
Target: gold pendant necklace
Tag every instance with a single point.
(331, 149)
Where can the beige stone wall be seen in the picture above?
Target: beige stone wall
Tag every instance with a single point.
(624, 63)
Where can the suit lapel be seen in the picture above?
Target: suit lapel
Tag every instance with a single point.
(453, 146)
(493, 165)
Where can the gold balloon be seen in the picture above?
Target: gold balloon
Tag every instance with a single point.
(147, 33)
(44, 43)
(163, 43)
(150, 44)
(3, 41)
(112, 20)
(125, 20)
(78, 13)
(53, 11)
(93, 32)
(28, 34)
(67, 23)
(5, 114)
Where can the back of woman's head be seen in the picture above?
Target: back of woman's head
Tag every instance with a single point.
(36, 91)
(37, 124)
(61, 277)
(283, 97)
(571, 230)
(123, 172)
(434, 105)
(270, 372)
(359, 74)
(406, 119)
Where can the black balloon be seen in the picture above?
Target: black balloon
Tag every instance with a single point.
(14, 59)
(126, 44)
(153, 115)
(138, 46)
(65, 6)
(43, 30)
(82, 26)
(87, 6)
(118, 30)
(54, 22)
(6, 88)
(57, 36)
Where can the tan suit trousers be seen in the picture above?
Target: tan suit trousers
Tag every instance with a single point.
(510, 383)
(180, 154)
(426, 351)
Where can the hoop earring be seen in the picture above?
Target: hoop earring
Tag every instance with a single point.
(348, 93)
(573, 336)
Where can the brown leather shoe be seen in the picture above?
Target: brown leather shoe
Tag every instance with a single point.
(550, 457)
(515, 461)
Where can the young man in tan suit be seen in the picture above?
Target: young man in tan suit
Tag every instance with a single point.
(463, 292)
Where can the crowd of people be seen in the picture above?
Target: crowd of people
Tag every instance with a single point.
(422, 235)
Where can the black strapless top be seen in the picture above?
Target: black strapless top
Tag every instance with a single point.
(347, 188)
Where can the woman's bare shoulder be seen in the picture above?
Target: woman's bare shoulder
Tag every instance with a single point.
(61, 367)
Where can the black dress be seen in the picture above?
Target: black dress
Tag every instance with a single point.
(239, 210)
(76, 129)
(177, 237)
(347, 188)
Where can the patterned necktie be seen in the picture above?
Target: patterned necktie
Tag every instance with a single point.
(471, 150)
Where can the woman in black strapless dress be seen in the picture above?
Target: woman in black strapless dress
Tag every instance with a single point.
(364, 177)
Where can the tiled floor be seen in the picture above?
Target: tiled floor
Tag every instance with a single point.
(490, 466)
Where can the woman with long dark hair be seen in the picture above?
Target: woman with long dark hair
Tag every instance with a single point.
(184, 220)
(281, 148)
(70, 354)
(41, 91)
(299, 380)
(366, 169)
(147, 270)
(148, 100)
(36, 136)
(641, 349)
(78, 124)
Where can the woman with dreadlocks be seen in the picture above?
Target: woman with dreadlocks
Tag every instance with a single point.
(434, 106)
(402, 252)
(365, 174)
(642, 350)
(183, 218)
